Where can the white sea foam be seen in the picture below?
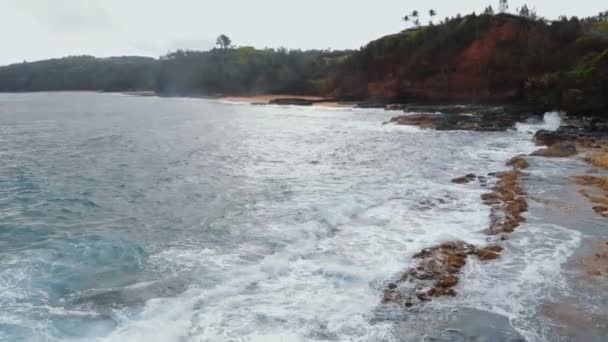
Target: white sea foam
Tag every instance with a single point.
(550, 122)
(326, 282)
(527, 275)
(287, 249)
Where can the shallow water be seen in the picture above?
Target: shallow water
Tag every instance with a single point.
(148, 219)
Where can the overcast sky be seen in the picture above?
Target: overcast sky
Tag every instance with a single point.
(38, 29)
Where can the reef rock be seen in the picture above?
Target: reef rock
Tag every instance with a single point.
(518, 163)
(557, 150)
(465, 179)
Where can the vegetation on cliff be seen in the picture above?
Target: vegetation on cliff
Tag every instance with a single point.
(489, 57)
(81, 73)
(247, 71)
(484, 58)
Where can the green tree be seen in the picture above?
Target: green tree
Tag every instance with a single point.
(223, 41)
(489, 10)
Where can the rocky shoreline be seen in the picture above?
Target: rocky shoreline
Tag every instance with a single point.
(436, 270)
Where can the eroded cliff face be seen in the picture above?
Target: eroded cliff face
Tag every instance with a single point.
(473, 59)
(469, 75)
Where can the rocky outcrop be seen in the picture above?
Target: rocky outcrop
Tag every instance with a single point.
(508, 203)
(557, 150)
(601, 210)
(489, 253)
(436, 272)
(293, 102)
(548, 138)
(465, 179)
(582, 131)
(518, 162)
(437, 269)
(469, 118)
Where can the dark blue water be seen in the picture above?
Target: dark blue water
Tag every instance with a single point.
(147, 219)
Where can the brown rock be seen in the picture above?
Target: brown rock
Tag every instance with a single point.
(558, 150)
(487, 254)
(599, 160)
(456, 261)
(548, 138)
(518, 163)
(448, 280)
(601, 210)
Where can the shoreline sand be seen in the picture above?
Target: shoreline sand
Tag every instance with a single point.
(266, 99)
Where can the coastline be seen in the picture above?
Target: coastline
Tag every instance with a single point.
(563, 183)
(269, 99)
(261, 99)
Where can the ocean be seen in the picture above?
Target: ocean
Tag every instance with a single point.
(127, 218)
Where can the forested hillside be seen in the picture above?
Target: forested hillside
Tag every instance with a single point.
(247, 71)
(81, 73)
(485, 58)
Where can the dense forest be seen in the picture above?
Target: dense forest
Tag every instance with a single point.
(488, 57)
(247, 71)
(81, 73)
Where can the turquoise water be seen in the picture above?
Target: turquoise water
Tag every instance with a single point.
(148, 219)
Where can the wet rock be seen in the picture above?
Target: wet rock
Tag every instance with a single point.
(395, 107)
(490, 198)
(599, 160)
(420, 120)
(509, 194)
(595, 263)
(447, 281)
(558, 150)
(392, 296)
(465, 179)
(434, 275)
(602, 210)
(459, 117)
(548, 138)
(489, 253)
(518, 163)
(441, 291)
(293, 102)
(595, 181)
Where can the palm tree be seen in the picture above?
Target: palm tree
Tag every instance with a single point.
(432, 13)
(415, 16)
(406, 18)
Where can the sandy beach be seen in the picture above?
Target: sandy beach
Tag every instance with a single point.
(267, 98)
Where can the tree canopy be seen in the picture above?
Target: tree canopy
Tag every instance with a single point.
(223, 41)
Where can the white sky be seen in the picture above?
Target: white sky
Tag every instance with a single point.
(39, 29)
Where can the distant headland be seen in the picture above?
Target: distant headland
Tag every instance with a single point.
(491, 57)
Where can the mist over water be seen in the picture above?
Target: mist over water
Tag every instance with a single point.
(148, 219)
